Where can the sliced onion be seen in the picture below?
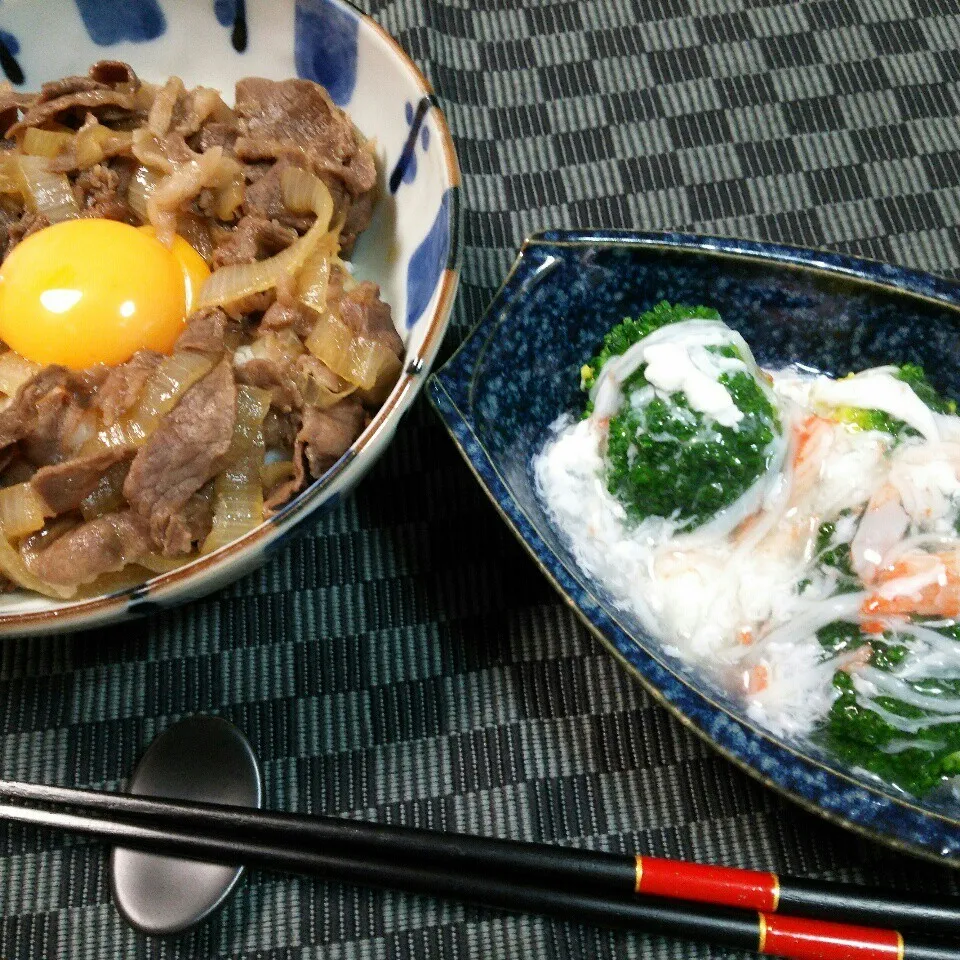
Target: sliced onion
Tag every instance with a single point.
(76, 150)
(152, 152)
(238, 508)
(238, 491)
(231, 194)
(386, 381)
(253, 404)
(114, 437)
(240, 280)
(156, 562)
(161, 112)
(320, 388)
(207, 104)
(358, 360)
(45, 143)
(142, 184)
(273, 474)
(175, 375)
(10, 181)
(303, 192)
(94, 142)
(81, 432)
(45, 192)
(314, 277)
(13, 568)
(144, 96)
(329, 341)
(22, 510)
(280, 346)
(186, 174)
(182, 185)
(89, 151)
(15, 371)
(347, 281)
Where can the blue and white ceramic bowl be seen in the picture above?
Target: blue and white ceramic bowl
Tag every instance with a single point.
(410, 249)
(520, 369)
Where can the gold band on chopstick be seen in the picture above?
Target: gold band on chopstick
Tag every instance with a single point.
(774, 892)
(762, 933)
(638, 876)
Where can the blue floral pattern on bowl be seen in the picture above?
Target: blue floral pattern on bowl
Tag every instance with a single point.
(405, 170)
(519, 369)
(113, 21)
(233, 14)
(327, 46)
(429, 259)
(411, 248)
(9, 48)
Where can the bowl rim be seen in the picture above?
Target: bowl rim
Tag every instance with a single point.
(106, 607)
(890, 279)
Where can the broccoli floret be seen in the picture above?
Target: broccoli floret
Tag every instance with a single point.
(825, 535)
(916, 379)
(836, 556)
(626, 333)
(841, 637)
(856, 731)
(665, 459)
(839, 558)
(862, 419)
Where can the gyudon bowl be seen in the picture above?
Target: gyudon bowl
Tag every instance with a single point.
(256, 287)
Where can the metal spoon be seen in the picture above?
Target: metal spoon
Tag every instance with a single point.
(200, 758)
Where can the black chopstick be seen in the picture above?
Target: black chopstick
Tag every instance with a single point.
(593, 871)
(769, 934)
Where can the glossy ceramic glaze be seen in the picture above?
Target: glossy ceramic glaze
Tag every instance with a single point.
(520, 369)
(411, 248)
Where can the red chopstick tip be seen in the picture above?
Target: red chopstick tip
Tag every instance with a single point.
(724, 886)
(804, 939)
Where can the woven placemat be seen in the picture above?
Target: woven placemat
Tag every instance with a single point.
(402, 660)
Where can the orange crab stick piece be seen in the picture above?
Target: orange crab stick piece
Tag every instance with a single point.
(757, 679)
(927, 584)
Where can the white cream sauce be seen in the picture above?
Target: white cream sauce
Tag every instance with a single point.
(673, 369)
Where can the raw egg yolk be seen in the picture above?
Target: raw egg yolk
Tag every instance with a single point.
(195, 269)
(93, 291)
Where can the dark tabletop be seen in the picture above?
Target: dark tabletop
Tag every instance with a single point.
(403, 660)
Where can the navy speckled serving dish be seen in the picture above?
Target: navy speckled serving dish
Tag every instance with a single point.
(518, 371)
